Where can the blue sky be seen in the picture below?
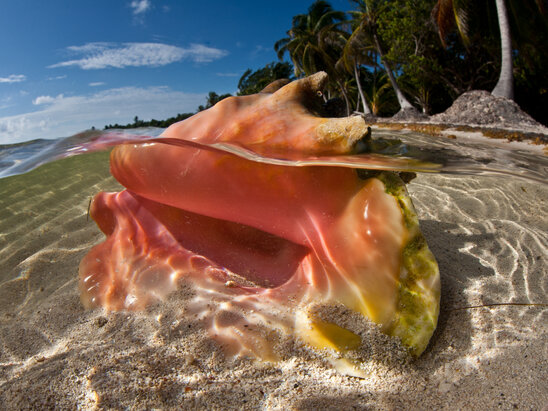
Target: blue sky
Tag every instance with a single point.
(68, 65)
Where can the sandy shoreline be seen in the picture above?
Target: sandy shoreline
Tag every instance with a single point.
(488, 235)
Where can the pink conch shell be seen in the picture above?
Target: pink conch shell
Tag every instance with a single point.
(271, 243)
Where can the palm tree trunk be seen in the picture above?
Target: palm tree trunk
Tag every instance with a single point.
(346, 101)
(364, 101)
(505, 85)
(404, 104)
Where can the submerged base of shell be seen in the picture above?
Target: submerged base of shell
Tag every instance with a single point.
(238, 313)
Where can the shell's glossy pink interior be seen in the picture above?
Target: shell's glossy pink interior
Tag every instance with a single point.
(313, 232)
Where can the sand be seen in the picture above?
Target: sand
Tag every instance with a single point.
(488, 234)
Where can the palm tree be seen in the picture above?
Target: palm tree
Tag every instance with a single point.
(306, 41)
(315, 42)
(356, 54)
(505, 85)
(365, 20)
(447, 13)
(377, 92)
(343, 82)
(253, 82)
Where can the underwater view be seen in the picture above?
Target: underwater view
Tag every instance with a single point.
(482, 207)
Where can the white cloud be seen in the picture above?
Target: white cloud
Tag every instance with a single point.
(46, 99)
(67, 115)
(42, 100)
(57, 77)
(103, 55)
(96, 84)
(203, 54)
(5, 102)
(90, 47)
(13, 78)
(140, 6)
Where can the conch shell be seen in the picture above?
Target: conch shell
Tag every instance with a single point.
(266, 247)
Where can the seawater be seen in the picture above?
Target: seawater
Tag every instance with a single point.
(482, 206)
(468, 189)
(390, 150)
(22, 157)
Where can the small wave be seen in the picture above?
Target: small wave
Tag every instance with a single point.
(23, 157)
(389, 150)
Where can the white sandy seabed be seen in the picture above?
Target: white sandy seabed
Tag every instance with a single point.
(490, 236)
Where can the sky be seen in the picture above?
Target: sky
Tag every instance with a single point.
(66, 66)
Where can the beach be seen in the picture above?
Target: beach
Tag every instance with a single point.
(489, 236)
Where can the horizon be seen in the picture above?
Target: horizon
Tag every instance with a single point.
(90, 64)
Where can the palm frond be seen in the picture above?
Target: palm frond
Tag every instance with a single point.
(281, 47)
(462, 17)
(328, 19)
(444, 17)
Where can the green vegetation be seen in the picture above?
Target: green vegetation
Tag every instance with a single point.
(387, 55)
(212, 99)
(254, 81)
(428, 51)
(152, 123)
